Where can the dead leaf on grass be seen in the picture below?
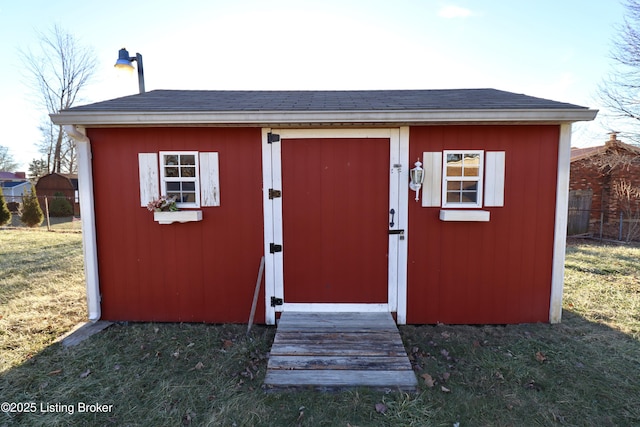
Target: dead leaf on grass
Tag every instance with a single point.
(445, 334)
(226, 344)
(56, 372)
(428, 380)
(188, 418)
(85, 374)
(444, 389)
(532, 385)
(381, 408)
(540, 357)
(446, 376)
(199, 365)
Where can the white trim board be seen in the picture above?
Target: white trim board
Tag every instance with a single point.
(273, 118)
(560, 232)
(398, 198)
(87, 216)
(336, 308)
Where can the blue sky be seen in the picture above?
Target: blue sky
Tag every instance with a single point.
(556, 49)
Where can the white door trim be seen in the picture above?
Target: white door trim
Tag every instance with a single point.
(398, 198)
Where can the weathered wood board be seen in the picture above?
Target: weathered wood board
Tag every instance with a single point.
(332, 351)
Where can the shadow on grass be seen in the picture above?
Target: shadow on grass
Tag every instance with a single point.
(574, 373)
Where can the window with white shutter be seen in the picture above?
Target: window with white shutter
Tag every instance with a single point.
(191, 177)
(464, 179)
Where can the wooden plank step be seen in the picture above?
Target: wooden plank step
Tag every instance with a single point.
(338, 379)
(338, 336)
(379, 363)
(338, 350)
(332, 321)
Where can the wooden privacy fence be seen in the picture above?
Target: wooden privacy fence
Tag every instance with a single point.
(579, 212)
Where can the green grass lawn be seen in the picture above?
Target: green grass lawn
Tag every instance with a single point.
(582, 372)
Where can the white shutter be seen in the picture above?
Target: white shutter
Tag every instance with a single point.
(494, 178)
(149, 183)
(209, 180)
(432, 186)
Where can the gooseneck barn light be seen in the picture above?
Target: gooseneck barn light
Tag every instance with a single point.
(125, 62)
(416, 176)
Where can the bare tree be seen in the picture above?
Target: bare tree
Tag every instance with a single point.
(616, 165)
(59, 71)
(628, 197)
(7, 163)
(621, 90)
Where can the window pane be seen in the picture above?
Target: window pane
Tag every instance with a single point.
(454, 185)
(189, 186)
(453, 197)
(188, 172)
(454, 165)
(189, 197)
(469, 197)
(469, 185)
(170, 159)
(187, 159)
(174, 195)
(173, 186)
(471, 164)
(171, 172)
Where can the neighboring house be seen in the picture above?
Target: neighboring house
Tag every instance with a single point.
(317, 182)
(14, 186)
(51, 185)
(594, 199)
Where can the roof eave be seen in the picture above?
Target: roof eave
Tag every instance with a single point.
(114, 118)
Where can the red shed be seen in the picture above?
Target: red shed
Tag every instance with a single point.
(319, 182)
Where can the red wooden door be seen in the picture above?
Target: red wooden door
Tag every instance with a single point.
(335, 212)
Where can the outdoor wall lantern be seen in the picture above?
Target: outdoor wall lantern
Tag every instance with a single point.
(416, 176)
(125, 62)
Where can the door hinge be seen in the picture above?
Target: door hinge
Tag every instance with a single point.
(273, 248)
(276, 301)
(274, 193)
(272, 137)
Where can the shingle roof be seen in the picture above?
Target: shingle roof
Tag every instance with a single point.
(11, 184)
(322, 101)
(613, 144)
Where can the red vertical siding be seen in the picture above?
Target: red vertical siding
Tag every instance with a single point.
(487, 272)
(199, 271)
(335, 197)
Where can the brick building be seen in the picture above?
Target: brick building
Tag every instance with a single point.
(593, 200)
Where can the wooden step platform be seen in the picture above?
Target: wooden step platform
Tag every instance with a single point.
(334, 351)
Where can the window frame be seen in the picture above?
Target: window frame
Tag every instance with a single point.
(195, 179)
(478, 179)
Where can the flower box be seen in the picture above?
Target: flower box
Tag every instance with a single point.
(461, 215)
(177, 216)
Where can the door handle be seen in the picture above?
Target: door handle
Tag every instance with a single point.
(392, 212)
(396, 231)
